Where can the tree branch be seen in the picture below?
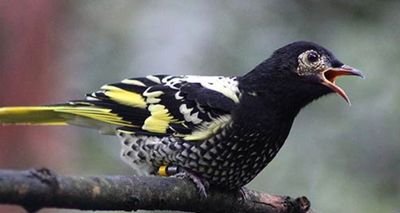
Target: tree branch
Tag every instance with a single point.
(36, 189)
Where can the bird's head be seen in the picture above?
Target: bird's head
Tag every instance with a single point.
(301, 71)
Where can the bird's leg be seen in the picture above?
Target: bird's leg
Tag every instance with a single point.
(201, 184)
(181, 173)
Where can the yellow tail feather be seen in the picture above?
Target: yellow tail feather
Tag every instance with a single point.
(40, 115)
(61, 115)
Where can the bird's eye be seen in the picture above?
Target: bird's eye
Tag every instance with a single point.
(312, 57)
(309, 61)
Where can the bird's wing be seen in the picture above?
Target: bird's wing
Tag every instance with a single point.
(191, 107)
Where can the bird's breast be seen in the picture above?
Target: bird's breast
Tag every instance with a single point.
(233, 156)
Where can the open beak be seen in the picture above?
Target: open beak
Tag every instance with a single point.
(329, 78)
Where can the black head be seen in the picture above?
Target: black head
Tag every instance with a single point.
(297, 74)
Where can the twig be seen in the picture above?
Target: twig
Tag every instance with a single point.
(37, 189)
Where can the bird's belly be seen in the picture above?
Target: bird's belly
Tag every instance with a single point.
(229, 162)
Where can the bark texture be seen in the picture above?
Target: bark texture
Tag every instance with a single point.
(41, 188)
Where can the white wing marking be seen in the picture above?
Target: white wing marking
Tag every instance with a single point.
(227, 86)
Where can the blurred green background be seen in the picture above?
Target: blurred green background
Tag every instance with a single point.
(344, 159)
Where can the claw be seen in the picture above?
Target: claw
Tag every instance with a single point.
(243, 194)
(200, 183)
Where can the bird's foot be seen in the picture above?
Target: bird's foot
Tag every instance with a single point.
(201, 184)
(243, 194)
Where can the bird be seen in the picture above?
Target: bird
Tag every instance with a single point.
(217, 131)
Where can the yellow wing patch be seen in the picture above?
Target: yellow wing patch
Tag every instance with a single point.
(209, 129)
(159, 120)
(124, 97)
(153, 97)
(133, 82)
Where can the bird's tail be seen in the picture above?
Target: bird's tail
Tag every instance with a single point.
(33, 115)
(86, 115)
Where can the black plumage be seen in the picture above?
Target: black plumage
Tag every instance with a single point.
(219, 130)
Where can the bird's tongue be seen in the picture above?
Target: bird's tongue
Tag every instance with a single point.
(330, 75)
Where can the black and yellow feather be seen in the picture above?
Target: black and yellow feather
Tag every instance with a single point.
(158, 105)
